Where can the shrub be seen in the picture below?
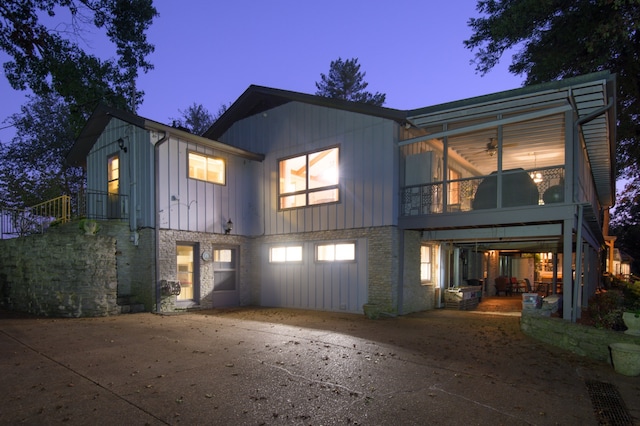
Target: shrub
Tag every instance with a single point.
(605, 310)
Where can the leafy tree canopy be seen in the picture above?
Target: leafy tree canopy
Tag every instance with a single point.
(66, 84)
(559, 39)
(197, 119)
(346, 81)
(33, 165)
(50, 60)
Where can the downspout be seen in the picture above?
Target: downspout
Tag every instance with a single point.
(156, 203)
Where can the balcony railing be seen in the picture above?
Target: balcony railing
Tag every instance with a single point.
(34, 219)
(101, 205)
(429, 198)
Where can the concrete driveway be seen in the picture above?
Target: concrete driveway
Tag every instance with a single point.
(260, 366)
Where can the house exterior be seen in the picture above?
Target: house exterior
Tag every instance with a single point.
(294, 200)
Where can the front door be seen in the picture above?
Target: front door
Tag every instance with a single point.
(225, 279)
(187, 265)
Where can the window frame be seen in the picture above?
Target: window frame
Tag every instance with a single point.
(207, 157)
(429, 262)
(306, 192)
(285, 261)
(334, 244)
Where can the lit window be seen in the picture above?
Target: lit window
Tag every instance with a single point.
(203, 167)
(309, 179)
(284, 254)
(426, 263)
(336, 252)
(113, 174)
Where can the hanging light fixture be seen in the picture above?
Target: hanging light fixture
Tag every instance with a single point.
(535, 175)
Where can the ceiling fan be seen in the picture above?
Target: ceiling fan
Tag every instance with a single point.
(492, 146)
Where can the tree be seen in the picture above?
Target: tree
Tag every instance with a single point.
(559, 39)
(197, 119)
(66, 85)
(346, 81)
(34, 168)
(45, 62)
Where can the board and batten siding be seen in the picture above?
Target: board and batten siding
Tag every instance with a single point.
(136, 170)
(195, 205)
(327, 286)
(368, 165)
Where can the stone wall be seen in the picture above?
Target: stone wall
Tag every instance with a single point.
(580, 339)
(416, 296)
(62, 273)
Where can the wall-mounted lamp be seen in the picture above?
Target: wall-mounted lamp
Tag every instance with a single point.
(121, 144)
(228, 227)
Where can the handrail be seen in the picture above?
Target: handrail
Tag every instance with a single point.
(34, 219)
(58, 208)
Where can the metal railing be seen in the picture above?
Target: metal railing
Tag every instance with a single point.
(102, 205)
(34, 219)
(417, 200)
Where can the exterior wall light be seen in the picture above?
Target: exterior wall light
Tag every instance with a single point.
(228, 227)
(121, 145)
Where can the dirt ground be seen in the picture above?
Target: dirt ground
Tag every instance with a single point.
(267, 366)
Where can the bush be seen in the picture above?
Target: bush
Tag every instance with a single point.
(605, 310)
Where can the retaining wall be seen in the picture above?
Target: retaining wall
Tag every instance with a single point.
(62, 273)
(580, 339)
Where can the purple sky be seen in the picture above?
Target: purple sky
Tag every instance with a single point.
(209, 52)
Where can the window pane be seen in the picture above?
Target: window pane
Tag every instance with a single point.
(326, 252)
(294, 254)
(293, 174)
(197, 166)
(323, 168)
(346, 251)
(319, 197)
(292, 201)
(278, 254)
(215, 170)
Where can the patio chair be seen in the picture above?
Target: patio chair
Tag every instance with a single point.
(503, 285)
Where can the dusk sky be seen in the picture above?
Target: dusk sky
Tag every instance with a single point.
(209, 52)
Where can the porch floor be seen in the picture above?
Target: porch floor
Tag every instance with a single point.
(511, 303)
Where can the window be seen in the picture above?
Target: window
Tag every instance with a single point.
(426, 264)
(309, 179)
(113, 187)
(209, 169)
(284, 254)
(113, 174)
(336, 252)
(454, 187)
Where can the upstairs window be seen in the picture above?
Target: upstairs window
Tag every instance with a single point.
(206, 168)
(309, 179)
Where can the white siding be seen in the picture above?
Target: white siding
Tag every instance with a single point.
(136, 166)
(194, 205)
(368, 165)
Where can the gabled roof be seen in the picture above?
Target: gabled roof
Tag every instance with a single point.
(258, 99)
(103, 114)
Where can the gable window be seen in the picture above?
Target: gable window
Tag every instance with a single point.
(285, 254)
(309, 179)
(206, 168)
(342, 252)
